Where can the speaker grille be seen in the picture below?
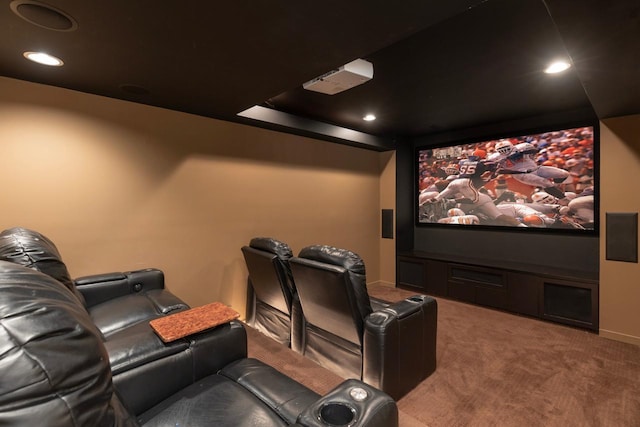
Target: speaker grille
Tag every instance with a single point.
(43, 16)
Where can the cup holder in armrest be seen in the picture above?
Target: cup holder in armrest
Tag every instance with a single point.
(416, 298)
(351, 403)
(337, 414)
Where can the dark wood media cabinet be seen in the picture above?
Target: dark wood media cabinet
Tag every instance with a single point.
(563, 296)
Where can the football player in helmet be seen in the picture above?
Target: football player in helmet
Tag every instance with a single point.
(544, 198)
(521, 164)
(581, 208)
(462, 220)
(525, 214)
(458, 216)
(452, 171)
(504, 147)
(464, 190)
(455, 212)
(545, 203)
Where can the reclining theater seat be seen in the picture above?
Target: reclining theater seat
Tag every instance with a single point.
(56, 373)
(390, 346)
(271, 291)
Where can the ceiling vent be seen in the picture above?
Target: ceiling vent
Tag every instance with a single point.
(350, 75)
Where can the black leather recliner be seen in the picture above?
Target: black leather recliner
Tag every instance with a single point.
(390, 346)
(56, 373)
(271, 291)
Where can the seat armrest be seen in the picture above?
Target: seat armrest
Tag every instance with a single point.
(342, 406)
(282, 394)
(399, 348)
(99, 288)
(217, 347)
(149, 383)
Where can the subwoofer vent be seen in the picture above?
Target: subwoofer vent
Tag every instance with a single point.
(43, 15)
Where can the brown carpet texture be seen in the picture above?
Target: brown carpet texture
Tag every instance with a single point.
(499, 369)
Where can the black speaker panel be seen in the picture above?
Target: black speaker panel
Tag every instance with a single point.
(622, 237)
(387, 223)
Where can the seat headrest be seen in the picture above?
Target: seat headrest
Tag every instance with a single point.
(54, 364)
(34, 250)
(335, 256)
(268, 244)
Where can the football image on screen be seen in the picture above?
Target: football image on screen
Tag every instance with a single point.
(539, 181)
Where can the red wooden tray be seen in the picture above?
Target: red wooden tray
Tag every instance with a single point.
(194, 320)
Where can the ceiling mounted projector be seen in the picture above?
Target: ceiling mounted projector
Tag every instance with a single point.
(350, 75)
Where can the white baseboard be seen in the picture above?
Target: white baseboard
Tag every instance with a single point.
(617, 336)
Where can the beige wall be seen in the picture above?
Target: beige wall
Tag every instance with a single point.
(620, 175)
(388, 201)
(120, 186)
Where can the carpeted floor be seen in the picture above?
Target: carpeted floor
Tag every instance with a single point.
(302, 369)
(499, 369)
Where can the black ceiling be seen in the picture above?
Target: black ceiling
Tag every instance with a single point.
(438, 65)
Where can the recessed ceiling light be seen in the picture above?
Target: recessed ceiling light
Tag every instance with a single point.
(43, 58)
(369, 118)
(557, 67)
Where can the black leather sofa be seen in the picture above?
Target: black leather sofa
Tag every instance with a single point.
(56, 369)
(119, 304)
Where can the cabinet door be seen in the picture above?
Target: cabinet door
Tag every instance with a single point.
(479, 285)
(411, 273)
(569, 302)
(436, 277)
(462, 291)
(524, 295)
(427, 276)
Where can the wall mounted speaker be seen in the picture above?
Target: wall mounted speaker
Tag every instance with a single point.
(387, 223)
(622, 237)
